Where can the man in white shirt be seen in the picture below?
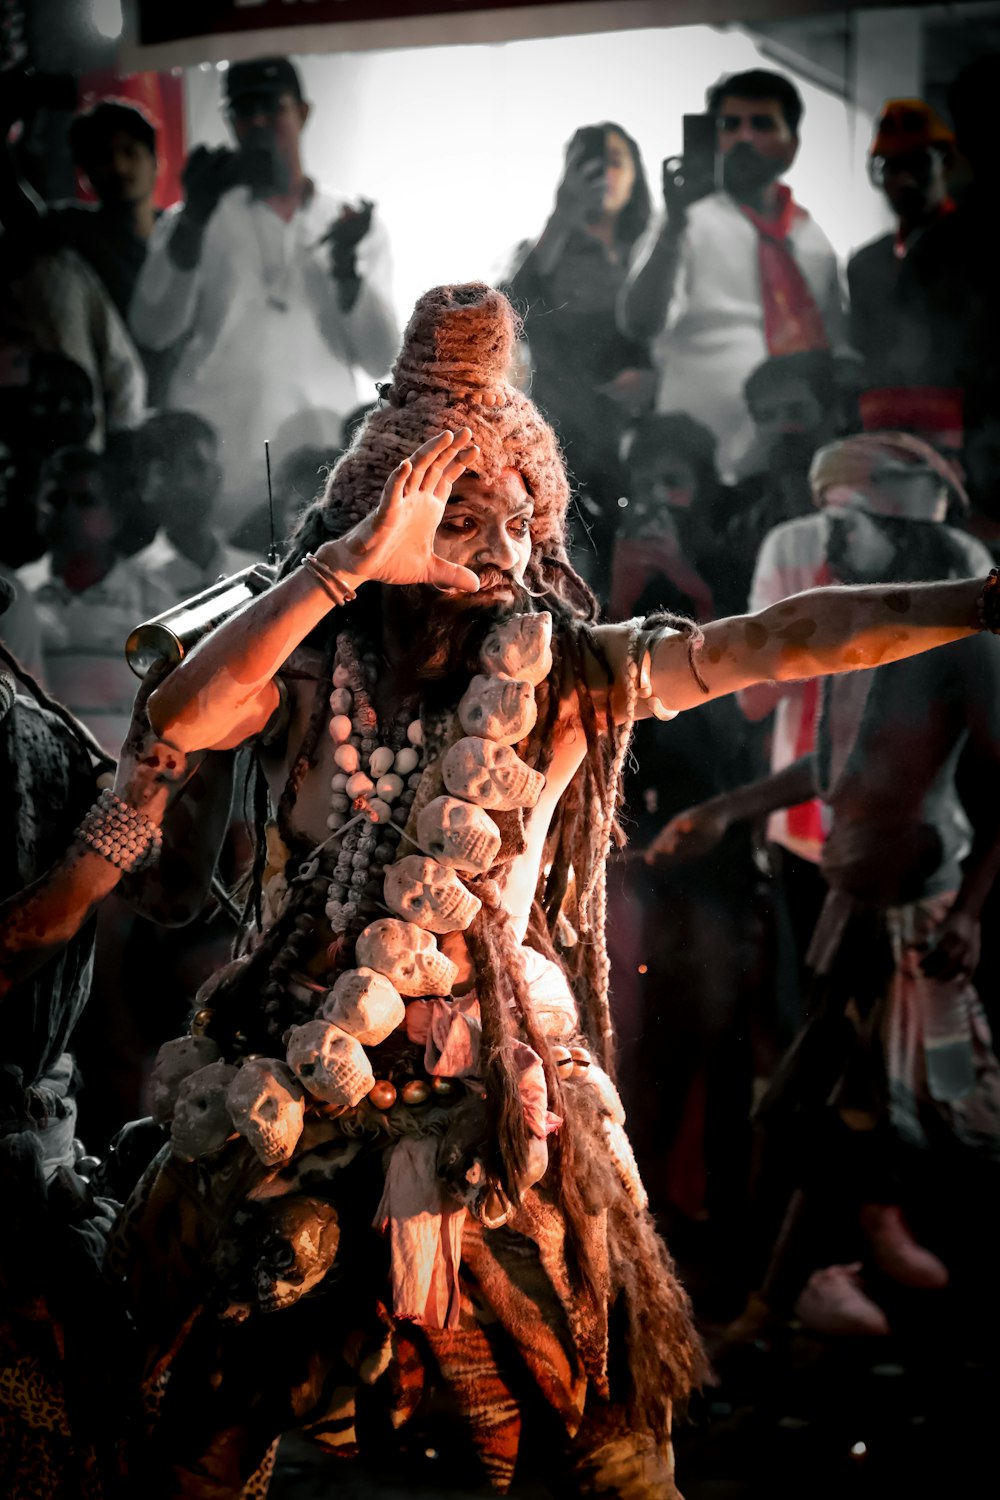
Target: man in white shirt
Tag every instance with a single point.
(178, 452)
(277, 289)
(719, 284)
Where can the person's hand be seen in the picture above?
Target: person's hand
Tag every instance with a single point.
(689, 834)
(954, 952)
(395, 544)
(149, 770)
(349, 227)
(206, 176)
(580, 194)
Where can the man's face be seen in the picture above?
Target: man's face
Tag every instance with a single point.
(60, 411)
(787, 409)
(657, 487)
(73, 512)
(487, 527)
(915, 182)
(756, 143)
(126, 174)
(276, 118)
(182, 488)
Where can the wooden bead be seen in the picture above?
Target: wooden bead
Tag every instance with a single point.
(359, 785)
(415, 732)
(406, 760)
(340, 729)
(379, 811)
(389, 786)
(200, 1022)
(341, 701)
(383, 1094)
(416, 1092)
(341, 676)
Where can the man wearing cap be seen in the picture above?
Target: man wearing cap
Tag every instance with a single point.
(273, 291)
(909, 160)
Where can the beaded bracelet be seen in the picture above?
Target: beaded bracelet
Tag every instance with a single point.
(121, 834)
(335, 587)
(988, 603)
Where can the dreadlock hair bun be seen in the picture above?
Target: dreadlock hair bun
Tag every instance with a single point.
(451, 372)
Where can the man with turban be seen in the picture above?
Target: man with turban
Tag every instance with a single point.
(397, 1160)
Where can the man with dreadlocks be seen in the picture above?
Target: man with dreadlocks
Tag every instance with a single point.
(396, 1157)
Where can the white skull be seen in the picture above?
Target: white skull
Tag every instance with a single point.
(520, 646)
(201, 1115)
(365, 1005)
(459, 834)
(491, 775)
(429, 894)
(331, 1064)
(406, 955)
(267, 1106)
(498, 708)
(175, 1061)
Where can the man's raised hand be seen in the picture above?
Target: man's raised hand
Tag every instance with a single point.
(395, 544)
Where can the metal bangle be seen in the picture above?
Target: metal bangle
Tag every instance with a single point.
(336, 588)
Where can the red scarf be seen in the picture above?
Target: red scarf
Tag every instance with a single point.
(792, 321)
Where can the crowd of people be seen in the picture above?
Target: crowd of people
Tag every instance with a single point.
(797, 972)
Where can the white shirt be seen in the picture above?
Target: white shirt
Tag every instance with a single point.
(265, 338)
(83, 641)
(183, 577)
(714, 332)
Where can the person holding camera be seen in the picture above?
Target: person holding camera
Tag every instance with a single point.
(736, 270)
(277, 289)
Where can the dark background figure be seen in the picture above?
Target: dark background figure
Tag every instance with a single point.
(587, 377)
(909, 161)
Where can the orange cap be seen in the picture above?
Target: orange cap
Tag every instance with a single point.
(907, 125)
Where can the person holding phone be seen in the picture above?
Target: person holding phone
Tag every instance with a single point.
(277, 289)
(733, 272)
(589, 378)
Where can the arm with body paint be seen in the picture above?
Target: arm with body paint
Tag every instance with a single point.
(816, 634)
(224, 692)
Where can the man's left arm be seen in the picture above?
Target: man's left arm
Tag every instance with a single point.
(814, 634)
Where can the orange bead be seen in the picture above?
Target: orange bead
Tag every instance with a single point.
(383, 1094)
(416, 1092)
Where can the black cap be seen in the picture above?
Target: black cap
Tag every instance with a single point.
(262, 75)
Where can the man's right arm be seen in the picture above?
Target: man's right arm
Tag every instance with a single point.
(224, 692)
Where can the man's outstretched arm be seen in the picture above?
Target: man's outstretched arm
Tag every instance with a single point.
(814, 634)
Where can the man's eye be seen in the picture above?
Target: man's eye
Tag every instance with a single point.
(521, 526)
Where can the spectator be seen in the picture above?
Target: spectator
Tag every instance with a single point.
(114, 146)
(89, 597)
(791, 399)
(279, 289)
(665, 553)
(722, 282)
(588, 378)
(179, 456)
(910, 158)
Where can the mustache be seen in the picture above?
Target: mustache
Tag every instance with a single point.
(495, 578)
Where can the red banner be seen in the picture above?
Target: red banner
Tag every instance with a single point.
(187, 18)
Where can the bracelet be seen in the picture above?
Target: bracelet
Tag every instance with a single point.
(335, 587)
(121, 834)
(645, 643)
(988, 603)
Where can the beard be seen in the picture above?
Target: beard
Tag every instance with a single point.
(745, 170)
(447, 630)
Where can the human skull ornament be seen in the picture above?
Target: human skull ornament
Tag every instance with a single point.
(458, 834)
(175, 1061)
(498, 708)
(429, 894)
(201, 1115)
(267, 1105)
(520, 646)
(408, 956)
(491, 775)
(364, 1004)
(331, 1064)
(292, 1248)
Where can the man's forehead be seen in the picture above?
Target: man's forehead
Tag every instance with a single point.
(736, 104)
(507, 489)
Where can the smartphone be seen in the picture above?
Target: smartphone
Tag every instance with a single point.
(700, 154)
(590, 143)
